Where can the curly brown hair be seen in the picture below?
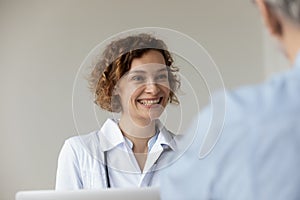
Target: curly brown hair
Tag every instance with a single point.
(116, 61)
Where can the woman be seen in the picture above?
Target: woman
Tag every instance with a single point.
(135, 77)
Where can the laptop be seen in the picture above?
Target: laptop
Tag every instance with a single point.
(147, 193)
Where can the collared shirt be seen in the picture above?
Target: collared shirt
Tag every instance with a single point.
(257, 153)
(81, 160)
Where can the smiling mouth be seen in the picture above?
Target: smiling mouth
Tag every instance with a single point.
(150, 102)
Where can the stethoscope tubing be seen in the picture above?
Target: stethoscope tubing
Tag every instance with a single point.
(108, 185)
(106, 170)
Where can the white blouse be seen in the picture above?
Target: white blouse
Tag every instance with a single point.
(80, 163)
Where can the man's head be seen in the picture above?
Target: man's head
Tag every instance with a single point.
(282, 19)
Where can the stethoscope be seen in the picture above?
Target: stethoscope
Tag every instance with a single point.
(108, 185)
(106, 170)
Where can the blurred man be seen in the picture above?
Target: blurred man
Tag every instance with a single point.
(257, 154)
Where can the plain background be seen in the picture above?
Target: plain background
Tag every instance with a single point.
(42, 44)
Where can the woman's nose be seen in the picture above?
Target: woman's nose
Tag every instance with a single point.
(152, 88)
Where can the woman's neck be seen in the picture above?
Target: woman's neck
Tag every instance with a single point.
(138, 132)
(139, 135)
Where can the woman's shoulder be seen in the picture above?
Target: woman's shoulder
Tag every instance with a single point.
(79, 139)
(82, 144)
(94, 135)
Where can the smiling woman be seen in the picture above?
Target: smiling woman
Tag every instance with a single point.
(145, 90)
(136, 77)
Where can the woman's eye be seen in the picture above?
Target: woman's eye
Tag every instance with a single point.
(138, 78)
(162, 77)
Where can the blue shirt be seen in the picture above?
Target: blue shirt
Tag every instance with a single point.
(80, 163)
(257, 154)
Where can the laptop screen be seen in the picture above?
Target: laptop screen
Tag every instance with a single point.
(147, 193)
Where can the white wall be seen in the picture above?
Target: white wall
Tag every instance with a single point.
(42, 44)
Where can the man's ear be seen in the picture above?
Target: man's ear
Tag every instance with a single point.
(115, 90)
(270, 18)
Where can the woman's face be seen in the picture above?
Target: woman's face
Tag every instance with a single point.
(144, 91)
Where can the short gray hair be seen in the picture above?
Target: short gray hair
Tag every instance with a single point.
(291, 8)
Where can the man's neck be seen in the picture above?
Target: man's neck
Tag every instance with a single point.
(291, 41)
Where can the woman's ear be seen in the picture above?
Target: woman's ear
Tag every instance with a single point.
(270, 18)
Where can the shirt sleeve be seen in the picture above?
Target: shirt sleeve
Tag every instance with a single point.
(68, 176)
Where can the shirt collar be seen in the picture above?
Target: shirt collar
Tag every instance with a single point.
(165, 138)
(151, 142)
(111, 136)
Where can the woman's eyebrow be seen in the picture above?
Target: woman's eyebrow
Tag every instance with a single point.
(145, 71)
(162, 69)
(137, 72)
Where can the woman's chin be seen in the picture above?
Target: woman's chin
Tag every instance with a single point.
(155, 113)
(149, 116)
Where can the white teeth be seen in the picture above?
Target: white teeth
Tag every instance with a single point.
(149, 102)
